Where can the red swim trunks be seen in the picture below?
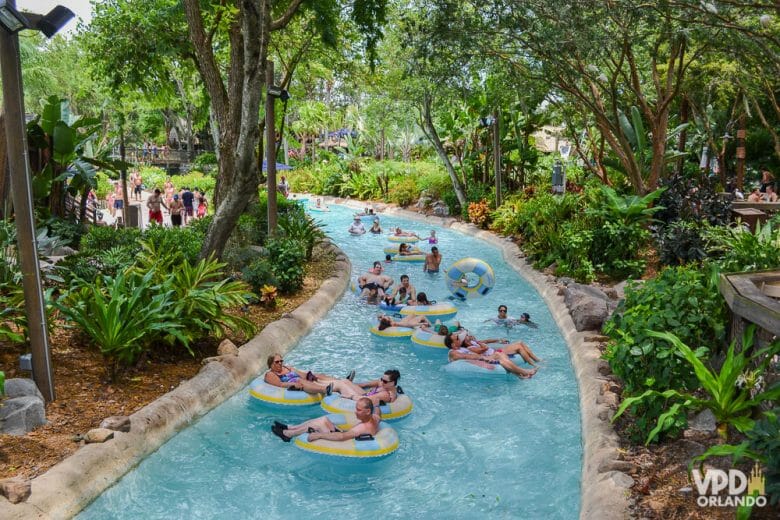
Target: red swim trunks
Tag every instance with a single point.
(156, 216)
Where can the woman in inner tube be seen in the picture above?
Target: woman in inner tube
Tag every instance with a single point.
(285, 376)
(462, 338)
(381, 391)
(323, 428)
(407, 321)
(496, 358)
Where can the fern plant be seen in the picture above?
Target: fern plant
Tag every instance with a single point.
(122, 315)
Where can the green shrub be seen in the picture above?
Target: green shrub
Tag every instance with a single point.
(681, 301)
(258, 273)
(2, 383)
(736, 249)
(402, 191)
(69, 230)
(104, 185)
(205, 160)
(301, 227)
(153, 177)
(681, 242)
(731, 403)
(288, 258)
(101, 238)
(201, 292)
(186, 240)
(619, 230)
(505, 218)
(196, 180)
(200, 225)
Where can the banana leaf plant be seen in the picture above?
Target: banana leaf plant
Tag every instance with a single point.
(635, 133)
(67, 160)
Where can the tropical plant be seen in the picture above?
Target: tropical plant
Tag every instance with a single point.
(730, 403)
(288, 258)
(680, 300)
(681, 242)
(299, 226)
(479, 213)
(200, 292)
(122, 315)
(101, 238)
(762, 444)
(268, 296)
(258, 274)
(735, 248)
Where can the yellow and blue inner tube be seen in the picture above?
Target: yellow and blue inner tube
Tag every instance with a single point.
(401, 333)
(440, 311)
(391, 308)
(393, 250)
(409, 258)
(428, 339)
(486, 279)
(408, 240)
(271, 394)
(399, 408)
(380, 445)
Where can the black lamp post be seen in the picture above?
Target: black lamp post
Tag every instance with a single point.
(272, 92)
(12, 21)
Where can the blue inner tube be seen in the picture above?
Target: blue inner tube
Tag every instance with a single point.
(460, 270)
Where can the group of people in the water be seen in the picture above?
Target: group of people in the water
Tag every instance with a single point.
(370, 395)
(375, 288)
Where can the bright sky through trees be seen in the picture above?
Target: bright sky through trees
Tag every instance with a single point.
(81, 8)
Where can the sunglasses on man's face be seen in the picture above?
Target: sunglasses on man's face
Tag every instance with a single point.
(278, 361)
(501, 310)
(386, 381)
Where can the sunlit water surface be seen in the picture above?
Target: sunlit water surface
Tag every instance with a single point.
(493, 447)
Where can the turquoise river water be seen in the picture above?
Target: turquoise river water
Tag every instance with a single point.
(474, 447)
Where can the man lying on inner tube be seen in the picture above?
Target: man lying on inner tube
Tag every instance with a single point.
(496, 357)
(285, 376)
(323, 428)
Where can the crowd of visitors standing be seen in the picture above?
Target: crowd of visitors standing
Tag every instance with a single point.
(167, 207)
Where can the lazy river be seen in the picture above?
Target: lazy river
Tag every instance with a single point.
(494, 447)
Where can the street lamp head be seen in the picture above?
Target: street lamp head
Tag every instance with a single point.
(12, 20)
(727, 136)
(54, 20)
(486, 121)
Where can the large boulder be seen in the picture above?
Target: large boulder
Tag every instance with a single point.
(440, 209)
(589, 306)
(22, 414)
(21, 387)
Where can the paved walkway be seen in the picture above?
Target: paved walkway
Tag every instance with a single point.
(144, 212)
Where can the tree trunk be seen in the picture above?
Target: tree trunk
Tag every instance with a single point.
(430, 132)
